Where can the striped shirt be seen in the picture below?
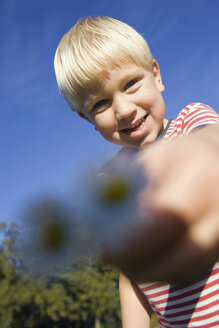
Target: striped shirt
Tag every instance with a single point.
(191, 117)
(194, 304)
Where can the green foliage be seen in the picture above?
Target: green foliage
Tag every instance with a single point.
(98, 291)
(85, 295)
(154, 322)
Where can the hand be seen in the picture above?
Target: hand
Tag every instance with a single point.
(181, 237)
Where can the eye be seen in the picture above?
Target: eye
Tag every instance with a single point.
(130, 83)
(99, 104)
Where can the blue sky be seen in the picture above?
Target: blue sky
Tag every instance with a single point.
(44, 147)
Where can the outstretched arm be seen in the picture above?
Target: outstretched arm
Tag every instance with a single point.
(179, 237)
(135, 314)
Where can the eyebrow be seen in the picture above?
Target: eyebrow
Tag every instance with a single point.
(89, 103)
(96, 90)
(129, 75)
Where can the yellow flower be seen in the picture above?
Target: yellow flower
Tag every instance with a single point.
(50, 238)
(114, 189)
(108, 200)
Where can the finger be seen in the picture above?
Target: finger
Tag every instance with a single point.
(194, 253)
(147, 243)
(186, 262)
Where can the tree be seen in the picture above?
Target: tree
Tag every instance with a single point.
(98, 288)
(85, 296)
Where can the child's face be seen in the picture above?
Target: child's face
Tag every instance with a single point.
(126, 105)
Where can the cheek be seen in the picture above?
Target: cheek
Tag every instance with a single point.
(106, 125)
(155, 101)
(160, 106)
(148, 95)
(105, 121)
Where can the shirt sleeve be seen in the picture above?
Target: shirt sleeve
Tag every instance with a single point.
(198, 115)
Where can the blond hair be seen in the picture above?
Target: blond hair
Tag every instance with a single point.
(92, 46)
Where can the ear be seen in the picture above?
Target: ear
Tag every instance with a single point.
(157, 76)
(83, 116)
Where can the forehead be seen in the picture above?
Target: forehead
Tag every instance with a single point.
(119, 72)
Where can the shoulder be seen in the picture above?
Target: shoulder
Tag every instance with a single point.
(192, 116)
(196, 110)
(196, 114)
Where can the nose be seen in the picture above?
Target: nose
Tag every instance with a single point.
(123, 107)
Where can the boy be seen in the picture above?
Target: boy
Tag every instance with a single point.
(106, 73)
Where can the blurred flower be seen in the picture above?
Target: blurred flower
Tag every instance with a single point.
(51, 237)
(55, 232)
(114, 189)
(108, 200)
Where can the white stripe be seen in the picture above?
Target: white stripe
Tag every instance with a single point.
(199, 323)
(194, 314)
(177, 129)
(152, 289)
(210, 121)
(185, 289)
(183, 299)
(197, 105)
(202, 119)
(181, 116)
(196, 115)
(188, 307)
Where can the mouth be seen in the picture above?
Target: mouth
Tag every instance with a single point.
(136, 127)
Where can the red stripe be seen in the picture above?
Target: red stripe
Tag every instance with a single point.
(186, 113)
(157, 294)
(161, 320)
(200, 110)
(199, 113)
(205, 106)
(189, 293)
(191, 310)
(200, 120)
(210, 325)
(180, 287)
(206, 316)
(190, 302)
(196, 113)
(153, 286)
(188, 320)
